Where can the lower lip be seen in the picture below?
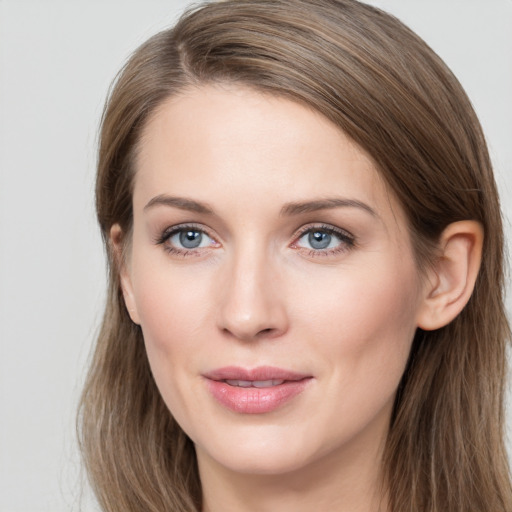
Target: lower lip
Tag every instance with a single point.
(255, 400)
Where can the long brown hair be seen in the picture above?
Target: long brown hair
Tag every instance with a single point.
(385, 88)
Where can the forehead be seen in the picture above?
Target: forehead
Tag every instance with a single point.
(234, 144)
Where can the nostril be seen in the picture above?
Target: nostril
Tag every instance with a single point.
(263, 333)
(268, 333)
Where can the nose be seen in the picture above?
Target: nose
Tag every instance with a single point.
(251, 304)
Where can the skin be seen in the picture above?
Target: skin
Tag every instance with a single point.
(257, 293)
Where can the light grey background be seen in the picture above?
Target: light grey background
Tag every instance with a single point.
(57, 59)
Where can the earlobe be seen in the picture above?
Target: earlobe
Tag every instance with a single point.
(453, 277)
(117, 244)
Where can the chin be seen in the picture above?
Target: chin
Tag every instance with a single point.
(263, 451)
(255, 462)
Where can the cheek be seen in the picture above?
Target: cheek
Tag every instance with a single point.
(380, 306)
(365, 297)
(173, 306)
(361, 332)
(364, 323)
(172, 311)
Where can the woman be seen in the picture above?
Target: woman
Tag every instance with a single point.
(306, 254)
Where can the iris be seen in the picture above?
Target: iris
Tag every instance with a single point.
(319, 239)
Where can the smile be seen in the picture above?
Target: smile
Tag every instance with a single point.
(257, 391)
(254, 383)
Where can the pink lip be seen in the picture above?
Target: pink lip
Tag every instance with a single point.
(255, 400)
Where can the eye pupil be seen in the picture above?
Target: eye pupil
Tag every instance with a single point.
(190, 239)
(319, 239)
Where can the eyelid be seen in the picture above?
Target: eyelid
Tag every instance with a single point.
(340, 232)
(170, 231)
(347, 239)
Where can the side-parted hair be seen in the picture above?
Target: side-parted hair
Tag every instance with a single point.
(387, 90)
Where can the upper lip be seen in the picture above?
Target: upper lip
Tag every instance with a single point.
(260, 373)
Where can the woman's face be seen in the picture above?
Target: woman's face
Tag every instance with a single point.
(272, 274)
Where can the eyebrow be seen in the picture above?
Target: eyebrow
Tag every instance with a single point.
(325, 204)
(289, 209)
(179, 202)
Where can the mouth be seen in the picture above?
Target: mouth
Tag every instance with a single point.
(254, 383)
(255, 391)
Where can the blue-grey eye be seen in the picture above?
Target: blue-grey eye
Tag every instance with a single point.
(190, 239)
(319, 239)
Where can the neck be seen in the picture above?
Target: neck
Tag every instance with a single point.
(347, 480)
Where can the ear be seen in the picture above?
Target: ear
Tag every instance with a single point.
(118, 246)
(452, 280)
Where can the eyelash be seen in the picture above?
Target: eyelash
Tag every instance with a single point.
(169, 232)
(347, 240)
